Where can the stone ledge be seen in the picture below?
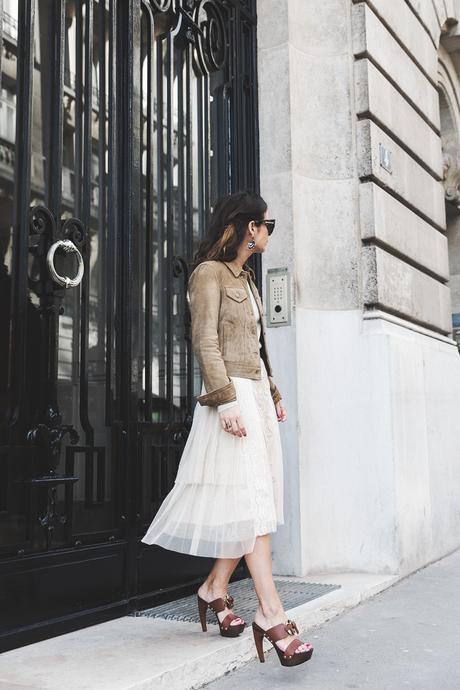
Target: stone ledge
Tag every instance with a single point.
(386, 322)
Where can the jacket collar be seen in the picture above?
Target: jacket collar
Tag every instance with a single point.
(236, 269)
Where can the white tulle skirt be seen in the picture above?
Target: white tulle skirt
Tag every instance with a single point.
(228, 489)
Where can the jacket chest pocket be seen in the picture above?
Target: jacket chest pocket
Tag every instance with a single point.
(235, 304)
(236, 294)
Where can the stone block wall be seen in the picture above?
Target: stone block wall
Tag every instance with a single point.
(352, 168)
(399, 151)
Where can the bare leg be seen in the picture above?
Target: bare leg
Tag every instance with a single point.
(216, 584)
(270, 611)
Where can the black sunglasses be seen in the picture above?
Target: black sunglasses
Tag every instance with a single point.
(270, 223)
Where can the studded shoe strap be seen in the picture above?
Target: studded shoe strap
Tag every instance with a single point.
(220, 604)
(292, 646)
(227, 620)
(278, 632)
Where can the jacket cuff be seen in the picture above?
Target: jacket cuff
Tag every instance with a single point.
(218, 396)
(276, 396)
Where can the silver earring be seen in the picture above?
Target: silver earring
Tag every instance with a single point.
(251, 244)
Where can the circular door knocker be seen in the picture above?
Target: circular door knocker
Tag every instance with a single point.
(69, 248)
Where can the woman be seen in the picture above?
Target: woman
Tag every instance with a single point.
(228, 493)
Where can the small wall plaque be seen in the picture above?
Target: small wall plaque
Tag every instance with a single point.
(385, 158)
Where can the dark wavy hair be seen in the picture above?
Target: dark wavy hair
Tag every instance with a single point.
(227, 225)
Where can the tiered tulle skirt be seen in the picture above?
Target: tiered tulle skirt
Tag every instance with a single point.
(228, 489)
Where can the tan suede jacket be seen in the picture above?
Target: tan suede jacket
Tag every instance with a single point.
(224, 330)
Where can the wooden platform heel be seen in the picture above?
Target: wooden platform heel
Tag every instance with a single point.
(217, 605)
(289, 657)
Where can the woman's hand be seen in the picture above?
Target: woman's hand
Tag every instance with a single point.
(280, 412)
(232, 421)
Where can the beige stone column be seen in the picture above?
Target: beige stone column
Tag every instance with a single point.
(309, 178)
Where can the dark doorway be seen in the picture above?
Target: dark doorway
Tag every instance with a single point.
(120, 122)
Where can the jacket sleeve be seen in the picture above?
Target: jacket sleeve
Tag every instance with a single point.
(204, 294)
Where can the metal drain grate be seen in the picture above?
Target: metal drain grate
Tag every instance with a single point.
(291, 593)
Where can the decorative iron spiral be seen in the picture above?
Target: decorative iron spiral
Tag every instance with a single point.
(74, 230)
(40, 219)
(211, 44)
(161, 5)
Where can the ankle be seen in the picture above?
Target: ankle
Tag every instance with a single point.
(272, 612)
(213, 589)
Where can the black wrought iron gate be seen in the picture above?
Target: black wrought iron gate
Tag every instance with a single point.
(120, 122)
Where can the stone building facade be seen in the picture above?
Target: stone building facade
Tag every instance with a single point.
(346, 115)
(359, 126)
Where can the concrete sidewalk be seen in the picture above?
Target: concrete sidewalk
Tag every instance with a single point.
(407, 637)
(138, 652)
(352, 651)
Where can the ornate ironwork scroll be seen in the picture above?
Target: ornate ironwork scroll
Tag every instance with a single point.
(211, 45)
